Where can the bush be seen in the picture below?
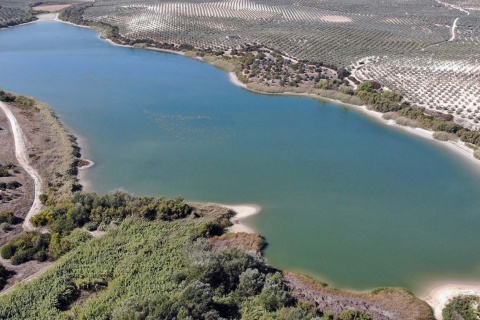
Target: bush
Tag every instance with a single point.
(22, 256)
(43, 198)
(25, 247)
(365, 86)
(461, 307)
(13, 185)
(404, 121)
(354, 315)
(476, 154)
(4, 275)
(444, 136)
(273, 295)
(347, 90)
(7, 217)
(7, 251)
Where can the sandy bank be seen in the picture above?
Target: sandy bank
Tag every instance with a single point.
(439, 297)
(242, 212)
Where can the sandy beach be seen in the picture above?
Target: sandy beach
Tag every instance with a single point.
(242, 212)
(439, 297)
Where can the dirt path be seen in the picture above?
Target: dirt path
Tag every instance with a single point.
(453, 6)
(22, 157)
(454, 26)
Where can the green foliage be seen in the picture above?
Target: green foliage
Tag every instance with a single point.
(4, 275)
(13, 185)
(7, 217)
(354, 315)
(347, 90)
(365, 86)
(378, 101)
(43, 198)
(462, 307)
(328, 84)
(476, 154)
(273, 295)
(151, 269)
(94, 210)
(26, 247)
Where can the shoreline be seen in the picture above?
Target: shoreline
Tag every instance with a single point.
(457, 147)
(242, 211)
(439, 297)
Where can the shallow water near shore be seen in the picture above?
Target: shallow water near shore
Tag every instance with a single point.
(343, 198)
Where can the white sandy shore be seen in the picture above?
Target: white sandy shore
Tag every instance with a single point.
(242, 212)
(439, 297)
(22, 158)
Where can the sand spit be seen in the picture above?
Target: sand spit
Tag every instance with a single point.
(439, 297)
(242, 212)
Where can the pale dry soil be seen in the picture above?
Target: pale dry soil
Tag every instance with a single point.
(21, 205)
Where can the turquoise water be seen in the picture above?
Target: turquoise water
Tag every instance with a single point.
(344, 199)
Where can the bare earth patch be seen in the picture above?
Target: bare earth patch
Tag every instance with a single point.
(23, 273)
(51, 8)
(381, 304)
(336, 19)
(21, 203)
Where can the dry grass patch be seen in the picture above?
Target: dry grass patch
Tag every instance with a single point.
(244, 241)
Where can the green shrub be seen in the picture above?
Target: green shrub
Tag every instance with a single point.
(25, 247)
(13, 185)
(365, 86)
(444, 136)
(43, 198)
(273, 295)
(476, 154)
(7, 217)
(7, 251)
(354, 315)
(461, 307)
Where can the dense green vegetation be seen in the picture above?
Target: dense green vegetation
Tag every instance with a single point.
(155, 269)
(391, 102)
(93, 212)
(462, 307)
(156, 261)
(27, 246)
(4, 275)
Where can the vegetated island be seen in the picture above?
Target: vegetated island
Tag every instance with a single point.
(119, 256)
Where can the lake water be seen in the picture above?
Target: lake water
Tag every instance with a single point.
(344, 199)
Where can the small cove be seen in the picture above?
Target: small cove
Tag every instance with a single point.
(343, 198)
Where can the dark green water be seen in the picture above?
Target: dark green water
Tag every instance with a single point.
(344, 199)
